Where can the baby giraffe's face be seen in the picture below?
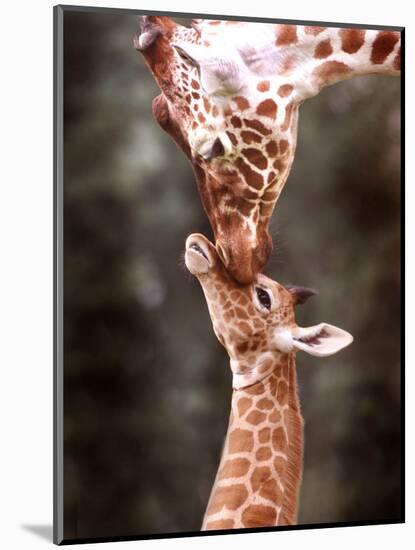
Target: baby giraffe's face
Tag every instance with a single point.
(255, 322)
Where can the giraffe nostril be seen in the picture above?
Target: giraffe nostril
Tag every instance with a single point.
(223, 255)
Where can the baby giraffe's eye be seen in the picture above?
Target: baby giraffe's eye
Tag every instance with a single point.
(263, 297)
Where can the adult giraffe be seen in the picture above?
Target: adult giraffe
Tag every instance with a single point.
(230, 97)
(259, 476)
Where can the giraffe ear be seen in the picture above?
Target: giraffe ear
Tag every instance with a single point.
(219, 73)
(301, 293)
(320, 340)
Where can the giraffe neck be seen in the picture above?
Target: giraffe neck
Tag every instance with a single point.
(325, 56)
(306, 58)
(260, 470)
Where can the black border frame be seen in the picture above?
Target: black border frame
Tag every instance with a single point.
(58, 272)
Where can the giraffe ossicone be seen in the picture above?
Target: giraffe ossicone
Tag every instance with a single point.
(230, 95)
(259, 476)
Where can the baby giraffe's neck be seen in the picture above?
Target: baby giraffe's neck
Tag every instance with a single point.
(259, 475)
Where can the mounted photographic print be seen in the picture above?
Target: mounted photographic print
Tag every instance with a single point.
(227, 275)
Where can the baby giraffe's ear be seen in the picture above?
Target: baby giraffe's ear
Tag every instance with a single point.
(320, 340)
(300, 293)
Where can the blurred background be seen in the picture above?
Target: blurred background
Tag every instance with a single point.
(147, 386)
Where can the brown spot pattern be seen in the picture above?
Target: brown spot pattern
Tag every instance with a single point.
(252, 178)
(259, 476)
(242, 348)
(241, 102)
(255, 389)
(257, 515)
(241, 314)
(271, 177)
(285, 90)
(382, 46)
(323, 49)
(236, 122)
(264, 435)
(243, 405)
(279, 441)
(263, 453)
(256, 417)
(220, 524)
(273, 385)
(232, 497)
(285, 370)
(195, 84)
(397, 60)
(232, 137)
(283, 146)
(256, 158)
(266, 209)
(280, 464)
(275, 416)
(267, 108)
(244, 327)
(270, 195)
(287, 34)
(271, 148)
(265, 404)
(330, 70)
(271, 492)
(206, 104)
(287, 119)
(250, 137)
(263, 86)
(236, 467)
(240, 441)
(257, 126)
(243, 300)
(314, 30)
(352, 40)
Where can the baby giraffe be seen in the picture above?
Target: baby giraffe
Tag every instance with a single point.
(259, 475)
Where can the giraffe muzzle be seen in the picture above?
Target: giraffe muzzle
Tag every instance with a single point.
(197, 257)
(150, 31)
(242, 260)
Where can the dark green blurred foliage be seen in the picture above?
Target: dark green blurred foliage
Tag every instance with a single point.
(147, 386)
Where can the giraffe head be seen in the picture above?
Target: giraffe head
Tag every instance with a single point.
(230, 97)
(236, 124)
(255, 322)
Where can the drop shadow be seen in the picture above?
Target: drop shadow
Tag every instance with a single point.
(43, 531)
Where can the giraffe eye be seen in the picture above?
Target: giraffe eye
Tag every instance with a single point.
(263, 297)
